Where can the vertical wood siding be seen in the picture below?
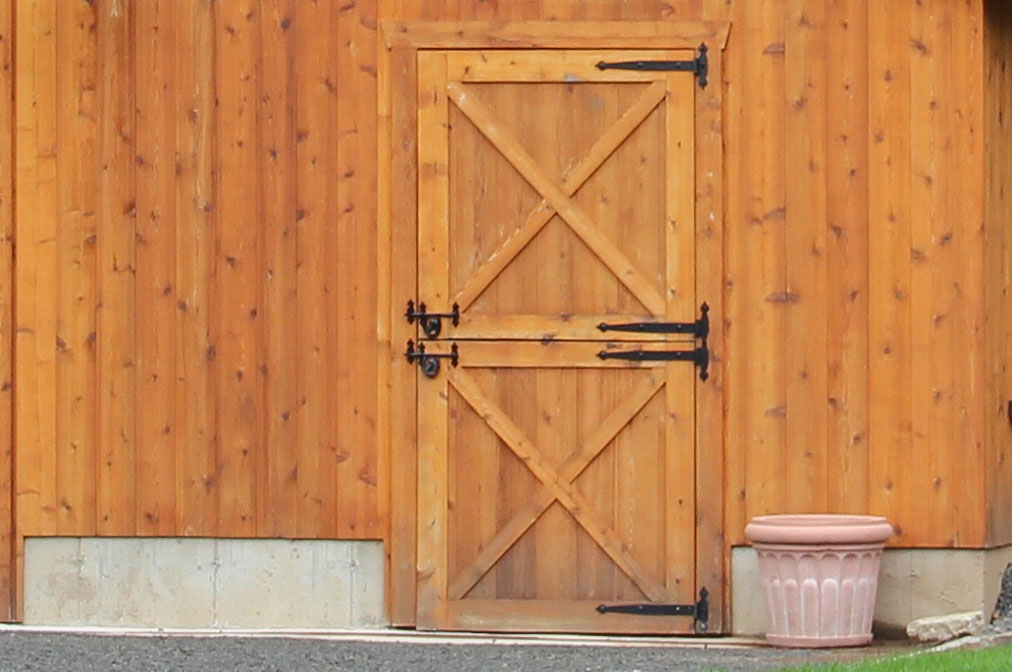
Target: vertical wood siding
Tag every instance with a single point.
(196, 286)
(855, 264)
(998, 218)
(197, 243)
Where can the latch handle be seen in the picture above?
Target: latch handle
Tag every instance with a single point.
(428, 362)
(432, 323)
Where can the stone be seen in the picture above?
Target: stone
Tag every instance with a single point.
(944, 628)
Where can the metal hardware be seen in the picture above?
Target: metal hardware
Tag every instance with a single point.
(700, 611)
(699, 65)
(700, 328)
(432, 323)
(700, 357)
(429, 361)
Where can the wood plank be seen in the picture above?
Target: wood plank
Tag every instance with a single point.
(966, 205)
(384, 300)
(276, 135)
(931, 273)
(355, 298)
(847, 256)
(402, 390)
(679, 459)
(552, 35)
(37, 269)
(555, 616)
(237, 269)
(574, 216)
(805, 257)
(524, 354)
(156, 299)
(433, 288)
(77, 186)
(196, 495)
(317, 458)
(433, 182)
(732, 290)
(559, 327)
(889, 225)
(576, 65)
(763, 264)
(8, 573)
(998, 264)
(117, 212)
(713, 531)
(432, 498)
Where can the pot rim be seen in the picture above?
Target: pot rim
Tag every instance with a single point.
(818, 528)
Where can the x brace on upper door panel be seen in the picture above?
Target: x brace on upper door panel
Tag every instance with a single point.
(556, 484)
(558, 197)
(571, 183)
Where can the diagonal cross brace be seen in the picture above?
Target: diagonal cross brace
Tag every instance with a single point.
(571, 183)
(571, 213)
(558, 488)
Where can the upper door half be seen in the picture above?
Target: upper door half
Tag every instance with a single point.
(555, 196)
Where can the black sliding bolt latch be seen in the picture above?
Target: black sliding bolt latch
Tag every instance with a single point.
(699, 65)
(700, 611)
(429, 361)
(432, 323)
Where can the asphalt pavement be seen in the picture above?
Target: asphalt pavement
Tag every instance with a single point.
(89, 652)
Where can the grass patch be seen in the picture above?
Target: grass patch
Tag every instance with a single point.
(995, 659)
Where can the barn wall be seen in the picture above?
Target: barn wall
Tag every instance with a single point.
(998, 183)
(196, 285)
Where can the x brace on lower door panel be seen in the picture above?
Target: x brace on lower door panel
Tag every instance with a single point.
(556, 484)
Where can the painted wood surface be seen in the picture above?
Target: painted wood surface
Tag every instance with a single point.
(229, 250)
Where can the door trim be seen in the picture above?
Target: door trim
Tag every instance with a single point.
(397, 261)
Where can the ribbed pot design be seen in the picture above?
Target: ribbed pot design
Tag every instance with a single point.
(819, 576)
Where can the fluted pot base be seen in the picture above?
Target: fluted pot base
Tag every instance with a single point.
(796, 642)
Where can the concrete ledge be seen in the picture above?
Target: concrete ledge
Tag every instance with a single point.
(913, 583)
(192, 583)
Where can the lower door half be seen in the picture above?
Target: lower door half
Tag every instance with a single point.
(554, 487)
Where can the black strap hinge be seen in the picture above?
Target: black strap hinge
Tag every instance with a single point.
(699, 329)
(699, 65)
(700, 611)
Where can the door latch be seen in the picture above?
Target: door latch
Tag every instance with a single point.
(432, 323)
(428, 362)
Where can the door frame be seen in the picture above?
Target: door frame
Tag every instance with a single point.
(397, 263)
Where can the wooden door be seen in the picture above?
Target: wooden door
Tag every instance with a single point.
(554, 196)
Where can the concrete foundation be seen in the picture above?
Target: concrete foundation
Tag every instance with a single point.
(913, 583)
(199, 583)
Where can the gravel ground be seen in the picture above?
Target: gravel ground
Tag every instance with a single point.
(80, 653)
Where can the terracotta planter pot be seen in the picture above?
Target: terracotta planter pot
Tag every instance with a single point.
(820, 575)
